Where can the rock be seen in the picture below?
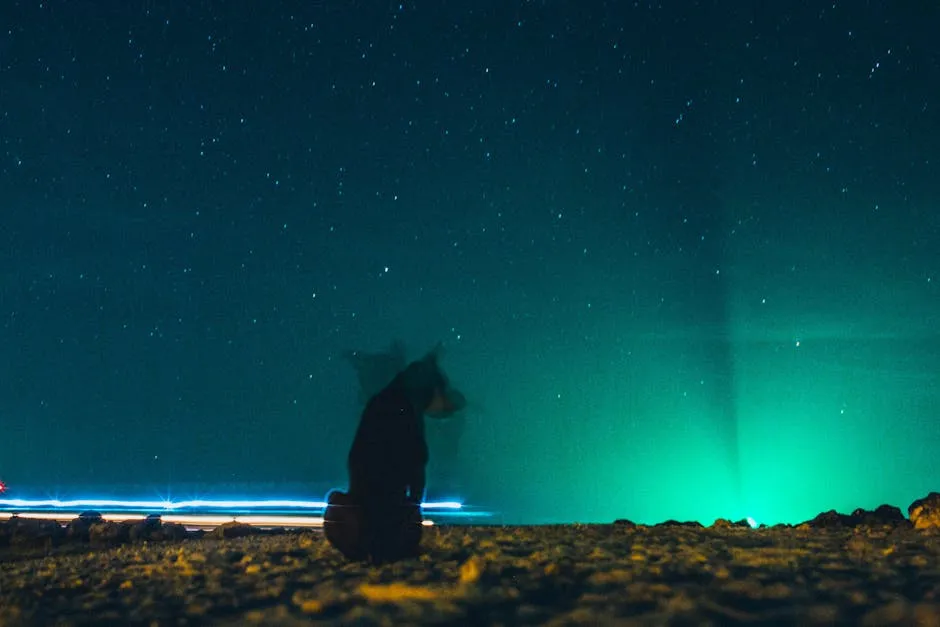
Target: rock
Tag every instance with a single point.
(623, 522)
(146, 530)
(232, 530)
(724, 523)
(692, 524)
(153, 529)
(6, 534)
(925, 513)
(175, 531)
(77, 529)
(882, 516)
(90, 517)
(31, 533)
(108, 533)
(828, 520)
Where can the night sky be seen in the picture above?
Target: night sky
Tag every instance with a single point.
(683, 256)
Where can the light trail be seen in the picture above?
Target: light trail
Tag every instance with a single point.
(166, 505)
(193, 521)
(204, 513)
(211, 512)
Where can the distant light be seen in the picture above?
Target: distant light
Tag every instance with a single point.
(752, 522)
(192, 504)
(198, 520)
(281, 521)
(191, 520)
(442, 505)
(122, 517)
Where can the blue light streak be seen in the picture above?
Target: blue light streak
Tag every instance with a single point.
(166, 505)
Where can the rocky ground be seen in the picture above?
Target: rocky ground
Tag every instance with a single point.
(829, 571)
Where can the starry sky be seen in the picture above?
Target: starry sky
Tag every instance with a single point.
(682, 255)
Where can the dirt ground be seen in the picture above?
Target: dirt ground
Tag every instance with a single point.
(554, 575)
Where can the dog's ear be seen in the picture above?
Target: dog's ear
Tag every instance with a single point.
(397, 349)
(436, 353)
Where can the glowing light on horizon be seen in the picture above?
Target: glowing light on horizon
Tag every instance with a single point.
(165, 505)
(190, 521)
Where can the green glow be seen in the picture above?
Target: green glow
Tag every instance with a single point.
(830, 424)
(824, 431)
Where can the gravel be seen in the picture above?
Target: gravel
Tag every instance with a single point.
(542, 575)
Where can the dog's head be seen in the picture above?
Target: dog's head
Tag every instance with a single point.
(429, 387)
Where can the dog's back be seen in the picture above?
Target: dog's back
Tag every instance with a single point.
(389, 453)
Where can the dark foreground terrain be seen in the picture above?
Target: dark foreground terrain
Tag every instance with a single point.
(556, 575)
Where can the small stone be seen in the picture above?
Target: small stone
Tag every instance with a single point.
(396, 593)
(894, 613)
(233, 529)
(472, 570)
